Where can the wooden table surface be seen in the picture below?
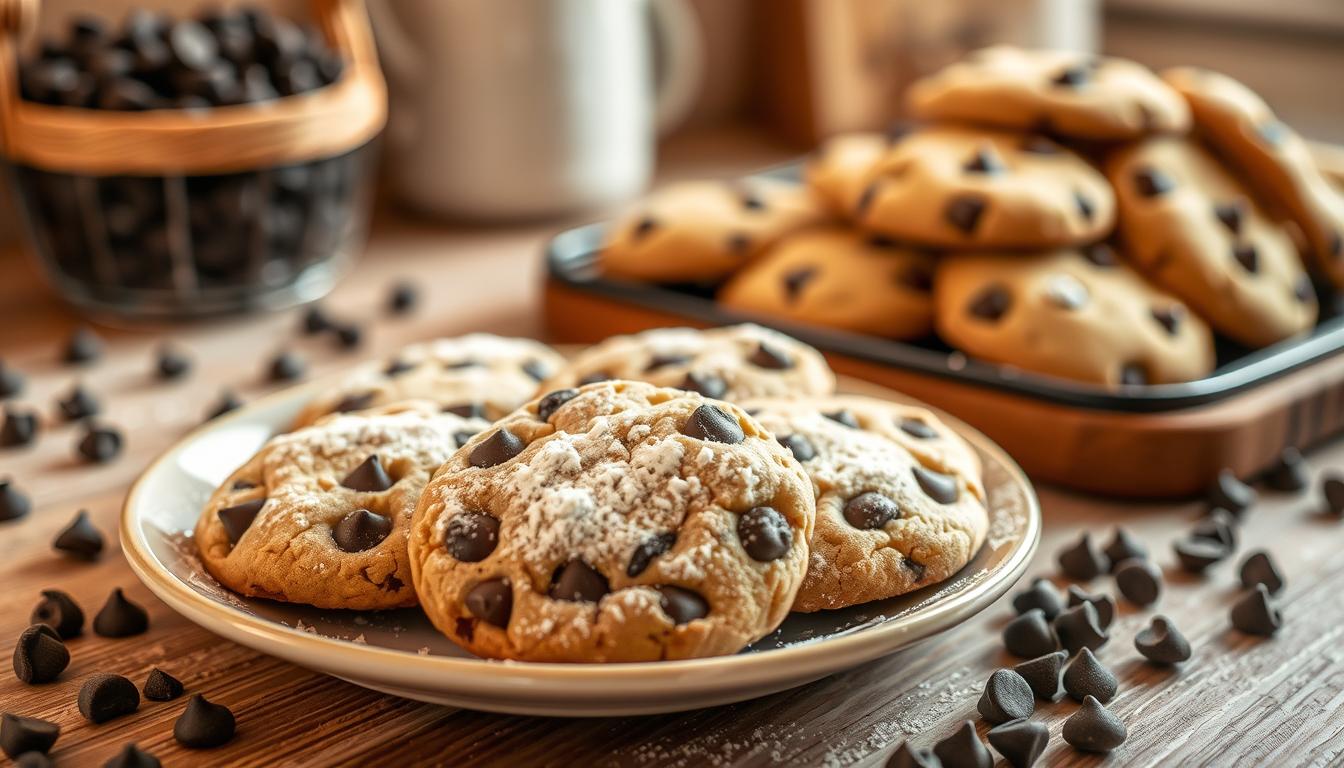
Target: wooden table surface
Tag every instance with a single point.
(1240, 701)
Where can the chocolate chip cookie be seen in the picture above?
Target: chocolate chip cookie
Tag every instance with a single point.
(617, 522)
(699, 231)
(474, 375)
(1078, 315)
(320, 516)
(1196, 231)
(838, 171)
(900, 502)
(842, 279)
(1245, 131)
(963, 188)
(1062, 93)
(731, 362)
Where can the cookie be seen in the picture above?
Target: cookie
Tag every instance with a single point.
(320, 516)
(1274, 158)
(1195, 231)
(699, 231)
(838, 171)
(963, 188)
(900, 502)
(619, 522)
(839, 278)
(1078, 315)
(473, 375)
(731, 362)
(1061, 93)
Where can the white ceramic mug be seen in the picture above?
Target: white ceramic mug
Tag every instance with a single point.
(526, 108)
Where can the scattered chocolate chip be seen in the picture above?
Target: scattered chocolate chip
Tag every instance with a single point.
(707, 384)
(204, 725)
(1124, 546)
(20, 734)
(1162, 643)
(172, 363)
(1021, 742)
(1079, 627)
(709, 422)
(1093, 728)
(871, 510)
(1041, 595)
(11, 381)
(361, 530)
(13, 503)
(765, 534)
(161, 686)
(547, 406)
(1247, 257)
(100, 444)
(1102, 603)
(1139, 581)
(1006, 697)
(577, 581)
(471, 536)
(84, 346)
(795, 280)
(228, 401)
(1219, 526)
(463, 437)
(60, 612)
(843, 416)
(356, 402)
(78, 404)
(942, 488)
(1254, 614)
(286, 366)
(801, 448)
(1083, 561)
(132, 756)
(1290, 472)
(496, 449)
(1073, 76)
(1230, 214)
(1151, 182)
(315, 321)
(991, 304)
(1044, 674)
(103, 697)
(120, 617)
(1197, 554)
(1029, 635)
(349, 336)
(964, 212)
(986, 161)
(466, 410)
(34, 760)
(491, 601)
(918, 429)
(1230, 493)
(80, 539)
(1039, 145)
(768, 357)
(39, 655)
(648, 549)
(368, 477)
(681, 605)
(238, 518)
(397, 367)
(1258, 568)
(963, 749)
(19, 428)
(907, 756)
(1101, 255)
(1085, 676)
(402, 298)
(1169, 318)
(1332, 487)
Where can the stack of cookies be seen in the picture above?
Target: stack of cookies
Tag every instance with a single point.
(668, 495)
(1070, 215)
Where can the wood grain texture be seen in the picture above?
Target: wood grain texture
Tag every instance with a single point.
(1240, 701)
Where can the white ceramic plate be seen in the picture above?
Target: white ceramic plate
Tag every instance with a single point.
(400, 653)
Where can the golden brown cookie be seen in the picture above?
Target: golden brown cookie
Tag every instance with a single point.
(839, 278)
(1078, 315)
(1196, 232)
(619, 522)
(1274, 158)
(838, 171)
(965, 188)
(699, 231)
(900, 502)
(1073, 95)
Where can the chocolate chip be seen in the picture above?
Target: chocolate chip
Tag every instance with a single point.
(991, 304)
(491, 601)
(11, 381)
(918, 429)
(1093, 728)
(463, 437)
(1044, 674)
(1029, 635)
(228, 401)
(103, 697)
(1139, 581)
(1078, 628)
(120, 617)
(801, 448)
(315, 321)
(577, 581)
(665, 360)
(647, 550)
(707, 384)
(768, 357)
(192, 45)
(942, 488)
(1290, 472)
(871, 510)
(204, 725)
(1258, 568)
(1162, 643)
(1228, 492)
(1230, 214)
(907, 756)
(594, 378)
(709, 422)
(1272, 132)
(1085, 676)
(238, 518)
(39, 655)
(1039, 145)
(1073, 76)
(986, 161)
(348, 335)
(80, 539)
(1150, 182)
(765, 534)
(161, 686)
(368, 477)
(496, 449)
(172, 363)
(843, 416)
(60, 612)
(535, 369)
(402, 298)
(13, 503)
(1246, 256)
(84, 346)
(1085, 207)
(963, 749)
(1217, 526)
(79, 404)
(1101, 255)
(397, 367)
(286, 366)
(361, 530)
(1254, 614)
(471, 536)
(356, 402)
(1332, 487)
(547, 406)
(1102, 603)
(1041, 595)
(99, 444)
(643, 227)
(1124, 546)
(795, 280)
(964, 212)
(1083, 561)
(681, 605)
(1021, 742)
(132, 756)
(1006, 697)
(20, 734)
(1197, 554)
(19, 428)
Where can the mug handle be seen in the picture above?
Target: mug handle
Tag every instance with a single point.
(677, 34)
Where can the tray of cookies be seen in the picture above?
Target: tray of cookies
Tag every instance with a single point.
(1128, 279)
(656, 523)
